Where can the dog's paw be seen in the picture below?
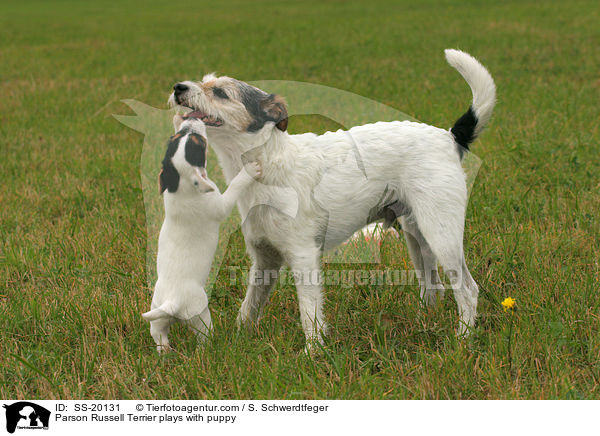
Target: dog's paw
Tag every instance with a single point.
(463, 331)
(315, 346)
(254, 170)
(431, 296)
(239, 322)
(162, 349)
(243, 321)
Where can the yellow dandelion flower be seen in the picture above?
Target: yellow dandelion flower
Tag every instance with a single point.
(508, 303)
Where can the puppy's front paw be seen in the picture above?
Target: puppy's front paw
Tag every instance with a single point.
(254, 170)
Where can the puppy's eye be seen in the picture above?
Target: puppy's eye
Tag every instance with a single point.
(218, 92)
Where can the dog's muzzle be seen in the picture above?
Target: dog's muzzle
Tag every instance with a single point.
(178, 93)
(178, 90)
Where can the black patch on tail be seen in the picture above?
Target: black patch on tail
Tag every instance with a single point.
(464, 130)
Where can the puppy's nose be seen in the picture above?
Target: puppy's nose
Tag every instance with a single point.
(180, 88)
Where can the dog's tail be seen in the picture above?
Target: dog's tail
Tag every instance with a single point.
(469, 126)
(158, 313)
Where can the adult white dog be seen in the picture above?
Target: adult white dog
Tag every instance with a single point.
(344, 180)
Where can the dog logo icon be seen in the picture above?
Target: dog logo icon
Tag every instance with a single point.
(26, 415)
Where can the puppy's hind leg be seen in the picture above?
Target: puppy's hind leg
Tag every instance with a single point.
(201, 325)
(159, 329)
(424, 262)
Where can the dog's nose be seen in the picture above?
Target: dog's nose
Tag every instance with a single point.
(180, 88)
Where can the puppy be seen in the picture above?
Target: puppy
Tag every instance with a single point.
(345, 180)
(194, 208)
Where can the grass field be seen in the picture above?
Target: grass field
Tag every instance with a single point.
(73, 229)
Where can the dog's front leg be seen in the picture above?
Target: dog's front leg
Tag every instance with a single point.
(264, 273)
(237, 186)
(306, 267)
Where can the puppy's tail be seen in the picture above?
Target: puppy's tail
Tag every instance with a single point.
(158, 313)
(469, 126)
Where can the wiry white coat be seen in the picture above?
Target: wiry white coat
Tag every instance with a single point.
(338, 178)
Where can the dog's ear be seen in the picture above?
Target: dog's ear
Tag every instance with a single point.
(195, 150)
(275, 109)
(168, 178)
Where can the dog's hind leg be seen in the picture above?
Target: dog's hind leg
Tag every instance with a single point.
(424, 262)
(264, 273)
(465, 290)
(447, 246)
(470, 290)
(305, 265)
(439, 213)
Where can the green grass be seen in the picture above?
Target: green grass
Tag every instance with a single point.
(73, 241)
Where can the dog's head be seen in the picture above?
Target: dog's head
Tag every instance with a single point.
(228, 104)
(184, 164)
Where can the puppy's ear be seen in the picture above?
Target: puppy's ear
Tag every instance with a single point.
(275, 109)
(195, 150)
(168, 178)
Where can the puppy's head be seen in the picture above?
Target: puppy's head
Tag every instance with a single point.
(229, 104)
(184, 164)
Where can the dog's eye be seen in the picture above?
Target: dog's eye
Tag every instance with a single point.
(218, 92)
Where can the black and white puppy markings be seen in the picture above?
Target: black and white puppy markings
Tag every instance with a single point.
(410, 171)
(194, 208)
(190, 138)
